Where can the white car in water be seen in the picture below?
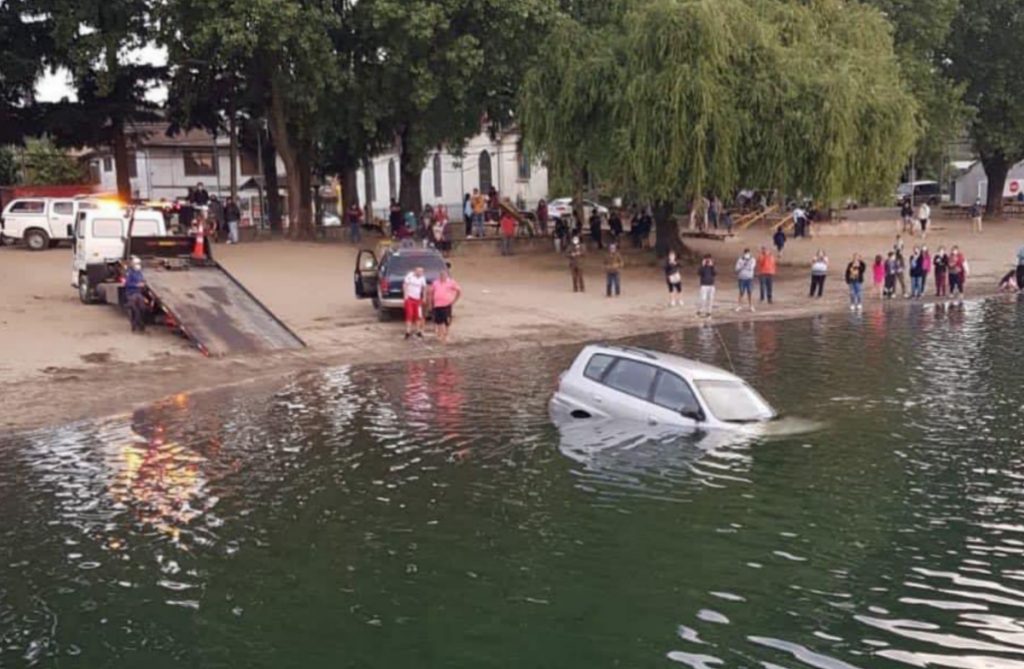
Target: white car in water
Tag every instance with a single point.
(659, 389)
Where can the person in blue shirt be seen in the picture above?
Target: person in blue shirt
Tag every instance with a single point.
(134, 286)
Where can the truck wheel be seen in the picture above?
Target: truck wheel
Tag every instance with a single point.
(85, 292)
(36, 240)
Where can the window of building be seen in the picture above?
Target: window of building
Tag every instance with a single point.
(133, 166)
(485, 171)
(370, 185)
(199, 163)
(392, 180)
(108, 164)
(523, 165)
(249, 163)
(438, 185)
(94, 172)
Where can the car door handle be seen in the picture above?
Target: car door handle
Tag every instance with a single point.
(597, 398)
(651, 420)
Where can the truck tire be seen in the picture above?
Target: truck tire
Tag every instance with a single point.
(36, 239)
(85, 292)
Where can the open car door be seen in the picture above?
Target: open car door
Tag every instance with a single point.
(366, 274)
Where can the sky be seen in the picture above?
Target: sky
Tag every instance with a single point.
(53, 86)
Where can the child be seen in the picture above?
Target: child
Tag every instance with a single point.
(890, 275)
(674, 279)
(779, 238)
(878, 271)
(707, 286)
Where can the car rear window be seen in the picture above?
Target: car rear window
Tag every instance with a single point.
(630, 377)
(28, 207)
(597, 366)
(402, 265)
(106, 228)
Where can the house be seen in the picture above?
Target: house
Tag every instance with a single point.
(971, 182)
(448, 176)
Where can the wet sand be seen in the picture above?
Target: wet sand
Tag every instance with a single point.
(65, 361)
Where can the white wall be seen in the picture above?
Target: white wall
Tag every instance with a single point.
(973, 184)
(460, 176)
(161, 174)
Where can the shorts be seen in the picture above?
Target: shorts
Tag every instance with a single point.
(442, 315)
(675, 287)
(413, 310)
(746, 287)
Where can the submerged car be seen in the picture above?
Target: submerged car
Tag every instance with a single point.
(622, 382)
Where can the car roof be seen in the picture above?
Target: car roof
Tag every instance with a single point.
(690, 369)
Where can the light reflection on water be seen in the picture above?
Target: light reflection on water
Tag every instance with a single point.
(427, 513)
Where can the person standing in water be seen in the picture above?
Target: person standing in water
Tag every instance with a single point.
(707, 286)
(766, 268)
(957, 273)
(878, 274)
(819, 270)
(445, 293)
(855, 280)
(674, 279)
(940, 263)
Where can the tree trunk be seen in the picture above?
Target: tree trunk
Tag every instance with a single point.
(233, 151)
(297, 165)
(349, 188)
(410, 194)
(120, 147)
(271, 188)
(997, 167)
(578, 180)
(666, 230)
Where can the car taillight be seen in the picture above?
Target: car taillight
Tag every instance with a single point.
(384, 288)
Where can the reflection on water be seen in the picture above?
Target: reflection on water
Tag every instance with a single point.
(427, 513)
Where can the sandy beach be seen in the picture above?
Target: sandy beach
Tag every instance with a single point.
(65, 361)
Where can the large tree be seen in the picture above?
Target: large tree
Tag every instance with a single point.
(97, 40)
(45, 164)
(26, 36)
(920, 31)
(983, 54)
(714, 95)
(439, 69)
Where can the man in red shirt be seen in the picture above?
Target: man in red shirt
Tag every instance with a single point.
(508, 230)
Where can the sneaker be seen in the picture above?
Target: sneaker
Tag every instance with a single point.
(739, 309)
(860, 307)
(853, 307)
(408, 335)
(752, 309)
(420, 335)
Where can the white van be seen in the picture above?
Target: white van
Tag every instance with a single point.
(40, 222)
(99, 238)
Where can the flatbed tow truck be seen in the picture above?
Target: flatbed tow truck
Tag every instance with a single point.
(190, 292)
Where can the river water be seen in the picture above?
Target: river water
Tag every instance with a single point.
(427, 514)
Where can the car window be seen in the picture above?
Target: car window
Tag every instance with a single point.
(145, 228)
(734, 401)
(28, 207)
(631, 377)
(106, 228)
(400, 264)
(63, 208)
(673, 393)
(597, 366)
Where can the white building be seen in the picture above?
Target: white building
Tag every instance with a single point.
(163, 167)
(447, 177)
(972, 182)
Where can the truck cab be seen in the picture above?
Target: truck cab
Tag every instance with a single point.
(98, 243)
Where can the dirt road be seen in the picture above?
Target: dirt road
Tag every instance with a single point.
(63, 360)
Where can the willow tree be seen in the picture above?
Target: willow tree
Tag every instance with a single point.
(699, 96)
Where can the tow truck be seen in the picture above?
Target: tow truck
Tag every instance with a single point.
(191, 293)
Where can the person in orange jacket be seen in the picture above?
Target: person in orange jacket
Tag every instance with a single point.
(766, 269)
(508, 230)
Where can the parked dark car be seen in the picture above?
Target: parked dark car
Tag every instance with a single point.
(923, 191)
(380, 279)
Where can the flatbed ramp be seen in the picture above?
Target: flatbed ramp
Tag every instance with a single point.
(217, 313)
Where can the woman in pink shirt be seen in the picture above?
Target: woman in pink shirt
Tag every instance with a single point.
(444, 293)
(878, 270)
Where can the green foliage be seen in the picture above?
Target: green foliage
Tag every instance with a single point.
(26, 49)
(46, 165)
(921, 28)
(687, 96)
(8, 166)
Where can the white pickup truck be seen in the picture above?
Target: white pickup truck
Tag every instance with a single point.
(41, 222)
(98, 239)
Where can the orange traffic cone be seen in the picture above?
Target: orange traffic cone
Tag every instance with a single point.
(199, 248)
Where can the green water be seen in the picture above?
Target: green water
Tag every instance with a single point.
(427, 514)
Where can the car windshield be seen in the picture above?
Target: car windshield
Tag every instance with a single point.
(734, 401)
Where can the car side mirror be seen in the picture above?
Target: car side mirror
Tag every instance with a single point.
(693, 414)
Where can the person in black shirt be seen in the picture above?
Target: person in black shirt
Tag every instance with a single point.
(200, 197)
(855, 280)
(707, 286)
